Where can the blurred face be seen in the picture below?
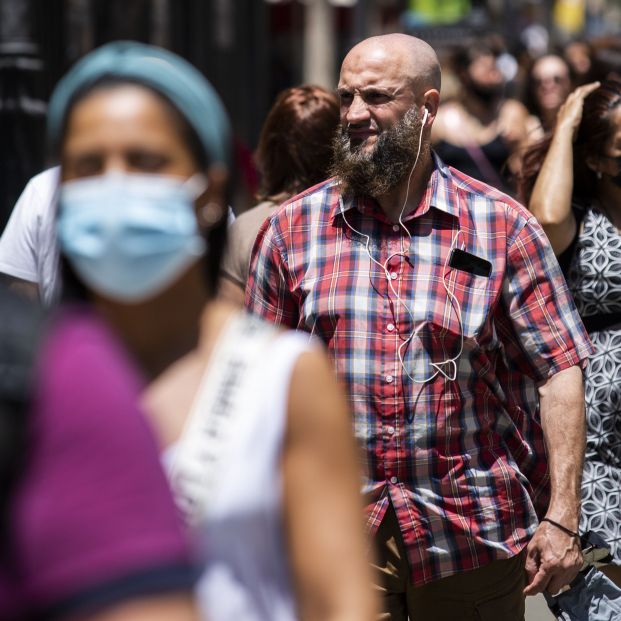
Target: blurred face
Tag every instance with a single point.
(132, 237)
(551, 82)
(124, 129)
(578, 56)
(484, 76)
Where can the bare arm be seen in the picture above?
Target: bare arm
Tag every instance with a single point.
(231, 291)
(553, 557)
(173, 607)
(550, 201)
(323, 509)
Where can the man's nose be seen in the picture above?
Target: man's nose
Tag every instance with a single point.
(357, 112)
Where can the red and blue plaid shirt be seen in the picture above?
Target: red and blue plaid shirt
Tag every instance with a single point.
(463, 460)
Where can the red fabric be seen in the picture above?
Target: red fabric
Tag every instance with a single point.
(462, 461)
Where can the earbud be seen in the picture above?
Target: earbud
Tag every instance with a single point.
(425, 116)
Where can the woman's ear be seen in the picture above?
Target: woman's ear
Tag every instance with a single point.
(211, 205)
(593, 165)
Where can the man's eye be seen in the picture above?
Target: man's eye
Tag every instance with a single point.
(376, 97)
(345, 97)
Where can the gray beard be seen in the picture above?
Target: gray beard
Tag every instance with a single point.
(379, 171)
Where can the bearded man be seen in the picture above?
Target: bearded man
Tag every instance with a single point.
(444, 309)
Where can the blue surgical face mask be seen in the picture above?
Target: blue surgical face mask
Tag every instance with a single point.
(129, 236)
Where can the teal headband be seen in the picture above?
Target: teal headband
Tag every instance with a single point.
(166, 73)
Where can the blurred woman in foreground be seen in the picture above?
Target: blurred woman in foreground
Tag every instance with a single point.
(294, 153)
(88, 527)
(261, 456)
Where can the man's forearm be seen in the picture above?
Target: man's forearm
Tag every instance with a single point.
(563, 421)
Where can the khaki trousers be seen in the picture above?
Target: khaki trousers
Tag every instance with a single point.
(490, 593)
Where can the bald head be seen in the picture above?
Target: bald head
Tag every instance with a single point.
(415, 59)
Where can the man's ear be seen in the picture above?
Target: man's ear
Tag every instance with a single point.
(211, 205)
(431, 102)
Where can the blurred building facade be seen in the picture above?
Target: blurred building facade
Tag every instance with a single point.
(249, 49)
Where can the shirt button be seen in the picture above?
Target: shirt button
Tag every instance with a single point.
(393, 480)
(390, 327)
(395, 227)
(390, 430)
(393, 275)
(389, 379)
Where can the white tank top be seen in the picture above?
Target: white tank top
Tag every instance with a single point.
(240, 541)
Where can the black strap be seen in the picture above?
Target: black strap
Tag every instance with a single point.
(602, 321)
(566, 530)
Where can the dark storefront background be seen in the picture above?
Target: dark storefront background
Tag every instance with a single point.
(249, 50)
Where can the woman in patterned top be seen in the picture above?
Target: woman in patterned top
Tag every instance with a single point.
(577, 198)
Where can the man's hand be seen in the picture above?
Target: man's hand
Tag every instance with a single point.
(553, 559)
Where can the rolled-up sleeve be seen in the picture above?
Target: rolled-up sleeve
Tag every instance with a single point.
(539, 323)
(269, 291)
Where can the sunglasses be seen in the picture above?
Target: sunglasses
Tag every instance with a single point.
(557, 79)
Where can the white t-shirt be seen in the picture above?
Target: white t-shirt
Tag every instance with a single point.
(28, 247)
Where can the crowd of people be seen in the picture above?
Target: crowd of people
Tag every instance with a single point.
(432, 308)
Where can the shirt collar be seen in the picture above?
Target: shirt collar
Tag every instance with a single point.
(440, 194)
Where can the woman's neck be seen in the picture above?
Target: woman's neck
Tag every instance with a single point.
(609, 197)
(161, 330)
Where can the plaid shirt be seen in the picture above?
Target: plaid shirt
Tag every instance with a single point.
(463, 460)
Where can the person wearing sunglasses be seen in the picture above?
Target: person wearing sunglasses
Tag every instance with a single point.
(549, 84)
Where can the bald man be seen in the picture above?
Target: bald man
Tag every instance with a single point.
(451, 326)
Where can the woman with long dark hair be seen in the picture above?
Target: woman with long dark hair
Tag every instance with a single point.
(572, 183)
(261, 456)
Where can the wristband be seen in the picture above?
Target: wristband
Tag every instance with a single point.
(571, 533)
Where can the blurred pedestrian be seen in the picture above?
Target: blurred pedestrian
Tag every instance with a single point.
(450, 323)
(260, 456)
(294, 153)
(28, 246)
(549, 84)
(580, 56)
(88, 527)
(577, 198)
(480, 131)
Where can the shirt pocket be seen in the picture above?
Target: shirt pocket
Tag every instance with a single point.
(466, 309)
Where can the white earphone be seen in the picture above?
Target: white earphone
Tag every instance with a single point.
(451, 363)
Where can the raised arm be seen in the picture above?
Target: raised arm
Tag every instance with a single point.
(554, 557)
(323, 509)
(550, 201)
